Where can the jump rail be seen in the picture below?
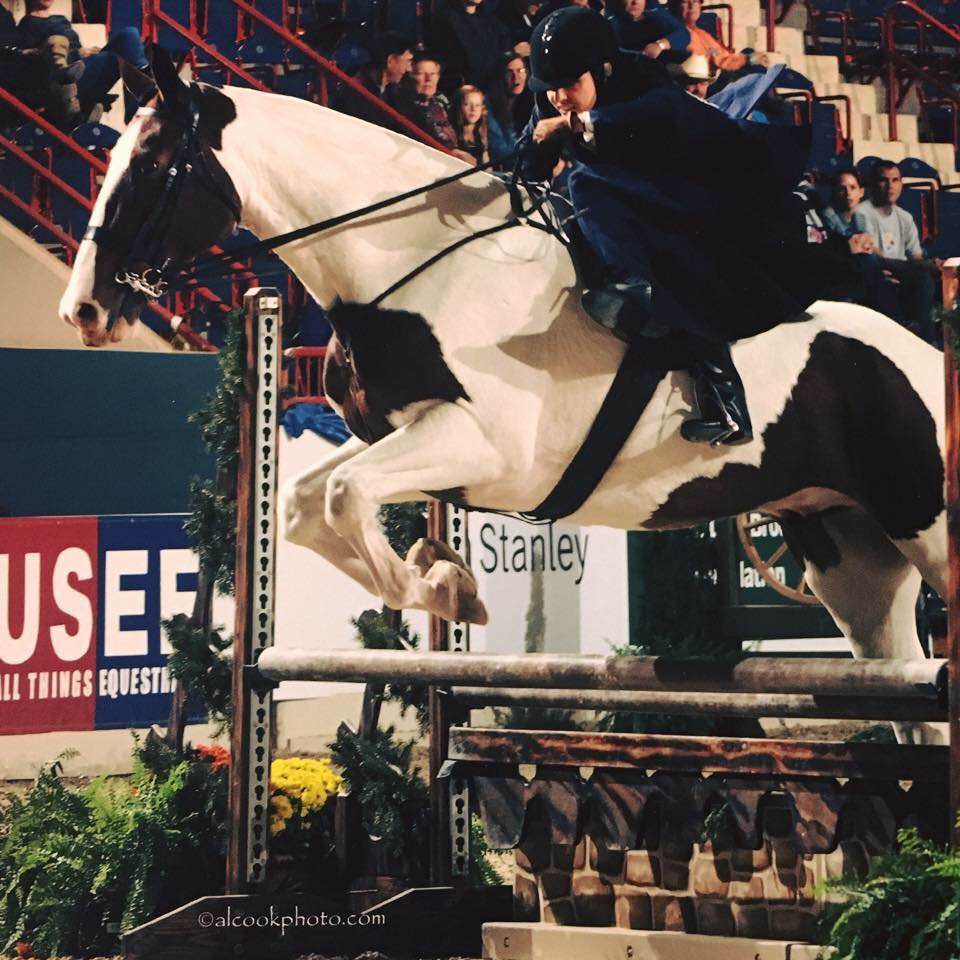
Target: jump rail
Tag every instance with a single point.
(924, 679)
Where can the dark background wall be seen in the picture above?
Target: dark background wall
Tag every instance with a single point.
(95, 432)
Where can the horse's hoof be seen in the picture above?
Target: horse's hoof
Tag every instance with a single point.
(455, 594)
(473, 610)
(427, 551)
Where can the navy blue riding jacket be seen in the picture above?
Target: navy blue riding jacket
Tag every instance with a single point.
(671, 189)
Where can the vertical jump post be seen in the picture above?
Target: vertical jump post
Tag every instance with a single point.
(254, 578)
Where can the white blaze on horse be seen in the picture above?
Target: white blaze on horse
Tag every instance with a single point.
(481, 376)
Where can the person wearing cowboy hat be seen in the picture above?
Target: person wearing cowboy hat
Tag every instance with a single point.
(695, 75)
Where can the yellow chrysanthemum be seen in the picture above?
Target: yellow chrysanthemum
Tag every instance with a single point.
(311, 782)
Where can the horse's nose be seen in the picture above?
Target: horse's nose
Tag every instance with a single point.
(86, 313)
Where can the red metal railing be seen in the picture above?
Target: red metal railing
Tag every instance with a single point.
(818, 16)
(304, 375)
(324, 66)
(728, 10)
(895, 60)
(70, 245)
(156, 14)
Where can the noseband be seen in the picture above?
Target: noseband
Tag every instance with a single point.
(144, 270)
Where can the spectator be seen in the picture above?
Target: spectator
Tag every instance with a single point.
(519, 17)
(911, 277)
(651, 32)
(471, 41)
(695, 75)
(391, 59)
(847, 196)
(101, 67)
(470, 123)
(427, 108)
(511, 100)
(41, 77)
(688, 12)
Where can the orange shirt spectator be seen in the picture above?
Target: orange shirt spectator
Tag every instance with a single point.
(705, 43)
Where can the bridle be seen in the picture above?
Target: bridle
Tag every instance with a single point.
(145, 270)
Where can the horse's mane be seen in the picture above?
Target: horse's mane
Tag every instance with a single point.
(355, 134)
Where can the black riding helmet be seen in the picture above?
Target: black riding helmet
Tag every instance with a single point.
(568, 44)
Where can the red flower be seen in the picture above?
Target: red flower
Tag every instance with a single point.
(215, 755)
(24, 950)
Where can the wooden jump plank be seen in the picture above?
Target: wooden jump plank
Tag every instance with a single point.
(746, 757)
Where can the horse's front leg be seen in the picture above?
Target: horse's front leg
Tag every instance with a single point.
(444, 449)
(303, 508)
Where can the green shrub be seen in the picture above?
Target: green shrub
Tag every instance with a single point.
(482, 872)
(907, 908)
(116, 852)
(393, 799)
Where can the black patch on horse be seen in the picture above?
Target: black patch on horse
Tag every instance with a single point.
(853, 424)
(808, 539)
(383, 361)
(217, 111)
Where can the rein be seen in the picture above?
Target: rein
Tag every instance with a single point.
(521, 216)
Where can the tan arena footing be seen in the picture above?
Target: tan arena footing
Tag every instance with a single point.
(540, 941)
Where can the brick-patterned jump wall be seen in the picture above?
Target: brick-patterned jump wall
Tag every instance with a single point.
(721, 854)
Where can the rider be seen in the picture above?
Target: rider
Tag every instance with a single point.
(689, 210)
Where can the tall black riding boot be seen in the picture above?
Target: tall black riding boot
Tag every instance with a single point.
(721, 402)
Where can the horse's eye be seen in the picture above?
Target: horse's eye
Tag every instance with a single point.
(147, 166)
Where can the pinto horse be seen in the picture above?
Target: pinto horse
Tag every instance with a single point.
(480, 377)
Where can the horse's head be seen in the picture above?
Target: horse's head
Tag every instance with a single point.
(164, 200)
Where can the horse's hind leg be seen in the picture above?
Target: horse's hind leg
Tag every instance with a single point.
(871, 592)
(303, 501)
(444, 449)
(927, 551)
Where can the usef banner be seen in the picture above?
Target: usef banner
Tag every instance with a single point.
(81, 605)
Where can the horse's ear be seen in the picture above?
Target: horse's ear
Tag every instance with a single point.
(173, 91)
(141, 87)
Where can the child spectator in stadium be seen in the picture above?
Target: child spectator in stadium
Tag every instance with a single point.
(471, 41)
(101, 67)
(651, 32)
(897, 242)
(847, 196)
(391, 59)
(688, 12)
(470, 123)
